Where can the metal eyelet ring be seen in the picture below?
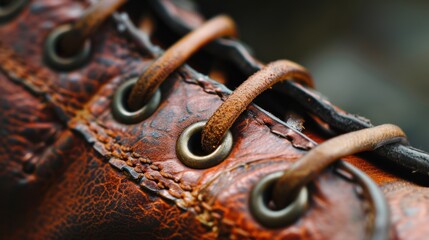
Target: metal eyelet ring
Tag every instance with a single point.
(121, 112)
(58, 62)
(11, 9)
(193, 156)
(275, 218)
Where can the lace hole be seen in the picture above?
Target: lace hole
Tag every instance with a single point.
(58, 61)
(10, 9)
(265, 214)
(188, 148)
(119, 104)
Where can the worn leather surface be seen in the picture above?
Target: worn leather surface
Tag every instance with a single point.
(182, 18)
(89, 176)
(406, 195)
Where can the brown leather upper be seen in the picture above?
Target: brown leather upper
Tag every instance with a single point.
(70, 170)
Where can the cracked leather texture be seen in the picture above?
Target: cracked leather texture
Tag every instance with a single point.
(89, 176)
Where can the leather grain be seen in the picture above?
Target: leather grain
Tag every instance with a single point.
(183, 19)
(95, 178)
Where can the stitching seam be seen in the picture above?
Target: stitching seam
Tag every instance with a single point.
(203, 209)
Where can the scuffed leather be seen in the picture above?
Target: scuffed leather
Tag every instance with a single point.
(407, 197)
(95, 178)
(182, 19)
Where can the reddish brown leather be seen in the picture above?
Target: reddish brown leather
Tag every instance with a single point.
(225, 116)
(407, 200)
(95, 178)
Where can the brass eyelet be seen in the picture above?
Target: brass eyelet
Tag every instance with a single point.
(275, 218)
(121, 112)
(193, 156)
(11, 9)
(58, 62)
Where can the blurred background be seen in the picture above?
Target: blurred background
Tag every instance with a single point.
(368, 57)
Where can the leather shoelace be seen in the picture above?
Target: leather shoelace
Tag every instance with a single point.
(309, 167)
(302, 171)
(223, 118)
(93, 17)
(222, 26)
(175, 56)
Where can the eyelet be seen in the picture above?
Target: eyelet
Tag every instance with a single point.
(193, 156)
(11, 9)
(121, 112)
(58, 62)
(275, 218)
